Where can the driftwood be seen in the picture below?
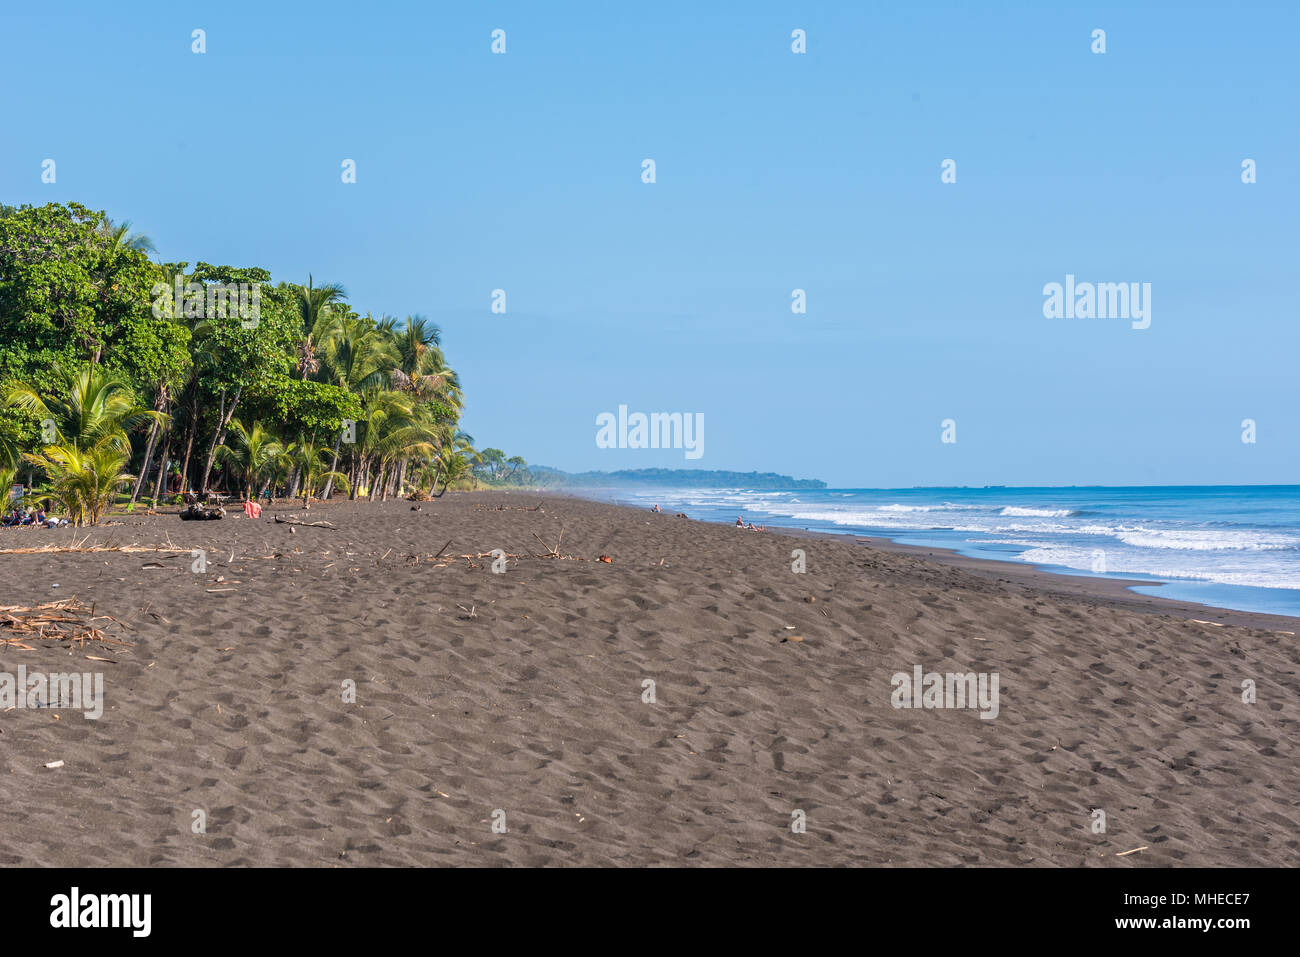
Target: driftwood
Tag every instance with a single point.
(293, 521)
(554, 552)
(551, 552)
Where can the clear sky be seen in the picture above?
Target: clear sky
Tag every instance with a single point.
(774, 171)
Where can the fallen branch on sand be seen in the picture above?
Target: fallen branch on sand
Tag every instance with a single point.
(293, 521)
(65, 620)
(505, 508)
(60, 549)
(555, 551)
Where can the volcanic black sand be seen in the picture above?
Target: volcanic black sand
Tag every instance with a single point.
(524, 693)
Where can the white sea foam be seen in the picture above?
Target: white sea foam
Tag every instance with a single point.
(1124, 561)
(1207, 540)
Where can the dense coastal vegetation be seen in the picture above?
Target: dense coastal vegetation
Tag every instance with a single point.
(127, 380)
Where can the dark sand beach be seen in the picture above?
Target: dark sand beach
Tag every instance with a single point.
(523, 692)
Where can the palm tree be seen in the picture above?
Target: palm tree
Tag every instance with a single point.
(120, 237)
(398, 442)
(457, 467)
(82, 480)
(421, 367)
(252, 454)
(455, 458)
(100, 408)
(357, 356)
(413, 342)
(316, 314)
(85, 457)
(390, 429)
(9, 450)
(309, 457)
(8, 473)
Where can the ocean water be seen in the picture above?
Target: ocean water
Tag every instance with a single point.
(1228, 546)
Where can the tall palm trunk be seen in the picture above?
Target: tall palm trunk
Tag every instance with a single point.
(218, 436)
(144, 466)
(162, 468)
(363, 475)
(189, 445)
(159, 405)
(329, 486)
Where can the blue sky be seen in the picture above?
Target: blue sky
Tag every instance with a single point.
(775, 171)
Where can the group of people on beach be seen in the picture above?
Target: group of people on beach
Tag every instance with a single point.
(35, 517)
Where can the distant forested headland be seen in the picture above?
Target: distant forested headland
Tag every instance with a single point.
(674, 478)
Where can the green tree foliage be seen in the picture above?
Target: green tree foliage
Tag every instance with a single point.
(304, 407)
(70, 292)
(164, 370)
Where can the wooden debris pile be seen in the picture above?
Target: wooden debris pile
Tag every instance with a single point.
(68, 620)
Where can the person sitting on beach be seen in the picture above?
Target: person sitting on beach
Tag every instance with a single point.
(740, 522)
(41, 518)
(656, 509)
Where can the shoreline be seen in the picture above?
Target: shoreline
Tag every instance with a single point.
(1116, 589)
(1111, 591)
